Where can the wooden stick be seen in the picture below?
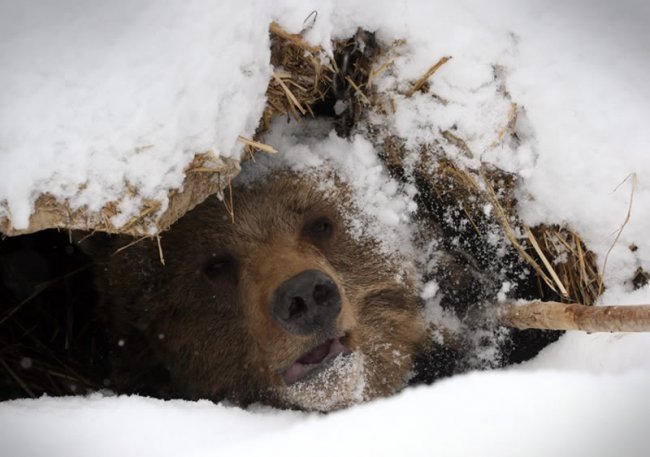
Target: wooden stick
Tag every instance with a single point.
(562, 316)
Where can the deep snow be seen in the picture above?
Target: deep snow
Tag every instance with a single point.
(499, 413)
(578, 68)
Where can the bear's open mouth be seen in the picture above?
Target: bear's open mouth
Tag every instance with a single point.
(315, 360)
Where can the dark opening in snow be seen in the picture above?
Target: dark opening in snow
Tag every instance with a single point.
(50, 339)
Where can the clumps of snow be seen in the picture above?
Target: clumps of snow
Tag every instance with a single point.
(438, 319)
(341, 384)
(429, 290)
(98, 98)
(506, 287)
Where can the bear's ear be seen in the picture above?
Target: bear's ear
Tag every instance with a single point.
(98, 245)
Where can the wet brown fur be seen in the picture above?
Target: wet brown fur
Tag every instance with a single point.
(180, 330)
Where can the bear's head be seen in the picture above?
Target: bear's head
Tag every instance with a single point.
(280, 304)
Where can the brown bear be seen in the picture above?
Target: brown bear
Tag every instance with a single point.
(282, 306)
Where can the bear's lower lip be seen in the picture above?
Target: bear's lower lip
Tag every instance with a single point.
(314, 360)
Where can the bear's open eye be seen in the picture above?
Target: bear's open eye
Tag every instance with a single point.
(319, 229)
(218, 266)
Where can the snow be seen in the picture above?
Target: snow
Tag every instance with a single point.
(499, 413)
(578, 68)
(122, 93)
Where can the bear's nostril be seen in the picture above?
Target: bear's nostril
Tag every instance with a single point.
(323, 292)
(296, 307)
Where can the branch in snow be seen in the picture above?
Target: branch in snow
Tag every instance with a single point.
(562, 316)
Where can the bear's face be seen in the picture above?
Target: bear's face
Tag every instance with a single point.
(282, 306)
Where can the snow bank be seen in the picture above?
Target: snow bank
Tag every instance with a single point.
(110, 102)
(498, 413)
(581, 73)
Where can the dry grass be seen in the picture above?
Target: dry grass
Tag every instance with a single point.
(572, 265)
(305, 77)
(566, 270)
(300, 80)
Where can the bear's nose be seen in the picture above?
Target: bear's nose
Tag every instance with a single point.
(306, 303)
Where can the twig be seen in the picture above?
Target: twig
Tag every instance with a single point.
(374, 73)
(85, 237)
(257, 145)
(144, 213)
(308, 26)
(509, 125)
(17, 379)
(228, 203)
(631, 176)
(458, 142)
(207, 170)
(160, 250)
(126, 246)
(357, 89)
(423, 79)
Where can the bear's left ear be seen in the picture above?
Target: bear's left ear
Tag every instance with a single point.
(98, 245)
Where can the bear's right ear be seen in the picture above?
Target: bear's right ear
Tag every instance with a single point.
(97, 245)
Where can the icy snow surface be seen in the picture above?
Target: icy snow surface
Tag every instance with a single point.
(580, 69)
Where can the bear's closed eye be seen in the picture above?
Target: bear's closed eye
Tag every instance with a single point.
(219, 266)
(319, 229)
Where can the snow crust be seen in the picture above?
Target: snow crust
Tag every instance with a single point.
(578, 68)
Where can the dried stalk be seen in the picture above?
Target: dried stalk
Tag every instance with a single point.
(423, 79)
(257, 145)
(294, 38)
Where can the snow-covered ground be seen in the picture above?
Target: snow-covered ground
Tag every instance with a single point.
(579, 68)
(499, 413)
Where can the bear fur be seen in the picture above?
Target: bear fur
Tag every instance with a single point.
(203, 325)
